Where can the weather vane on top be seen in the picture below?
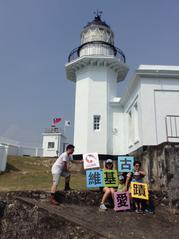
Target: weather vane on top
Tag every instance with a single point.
(97, 13)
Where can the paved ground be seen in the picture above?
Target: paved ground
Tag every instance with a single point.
(111, 224)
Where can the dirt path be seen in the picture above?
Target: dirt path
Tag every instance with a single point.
(112, 224)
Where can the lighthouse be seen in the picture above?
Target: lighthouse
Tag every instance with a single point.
(96, 67)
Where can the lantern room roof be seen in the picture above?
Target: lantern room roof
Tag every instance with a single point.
(97, 21)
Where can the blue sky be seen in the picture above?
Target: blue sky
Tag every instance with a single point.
(36, 37)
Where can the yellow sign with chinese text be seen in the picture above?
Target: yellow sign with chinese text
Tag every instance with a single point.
(139, 190)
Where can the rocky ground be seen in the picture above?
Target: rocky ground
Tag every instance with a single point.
(29, 215)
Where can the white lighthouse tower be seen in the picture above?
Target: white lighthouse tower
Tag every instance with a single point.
(96, 67)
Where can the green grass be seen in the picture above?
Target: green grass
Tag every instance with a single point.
(30, 173)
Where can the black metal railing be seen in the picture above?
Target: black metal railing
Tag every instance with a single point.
(172, 126)
(75, 53)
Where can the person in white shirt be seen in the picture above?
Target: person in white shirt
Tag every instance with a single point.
(61, 168)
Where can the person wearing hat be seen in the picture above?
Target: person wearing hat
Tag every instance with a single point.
(108, 191)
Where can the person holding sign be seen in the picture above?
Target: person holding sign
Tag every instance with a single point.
(136, 176)
(61, 168)
(108, 191)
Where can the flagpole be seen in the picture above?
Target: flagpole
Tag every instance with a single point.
(66, 125)
(64, 130)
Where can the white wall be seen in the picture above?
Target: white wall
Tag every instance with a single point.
(31, 151)
(156, 95)
(17, 150)
(81, 112)
(96, 86)
(131, 117)
(14, 150)
(165, 104)
(118, 137)
(23, 150)
(160, 97)
(3, 158)
(97, 140)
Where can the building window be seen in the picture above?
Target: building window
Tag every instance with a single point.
(96, 122)
(51, 145)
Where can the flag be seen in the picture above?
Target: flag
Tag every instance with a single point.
(67, 123)
(56, 120)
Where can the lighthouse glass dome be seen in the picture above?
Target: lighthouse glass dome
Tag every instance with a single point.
(97, 39)
(97, 31)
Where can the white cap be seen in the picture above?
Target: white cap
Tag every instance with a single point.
(109, 161)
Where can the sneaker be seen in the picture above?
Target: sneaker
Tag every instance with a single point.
(140, 211)
(53, 200)
(137, 211)
(102, 207)
(149, 211)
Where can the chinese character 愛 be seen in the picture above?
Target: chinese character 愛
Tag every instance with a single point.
(121, 201)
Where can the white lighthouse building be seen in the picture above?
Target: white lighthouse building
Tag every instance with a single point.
(96, 66)
(146, 114)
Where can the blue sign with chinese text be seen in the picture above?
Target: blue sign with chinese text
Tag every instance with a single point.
(94, 178)
(125, 163)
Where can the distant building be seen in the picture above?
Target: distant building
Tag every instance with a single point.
(53, 142)
(146, 114)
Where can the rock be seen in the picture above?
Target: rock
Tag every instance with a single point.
(11, 205)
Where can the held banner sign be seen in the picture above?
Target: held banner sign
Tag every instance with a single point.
(110, 178)
(139, 190)
(94, 178)
(91, 160)
(125, 164)
(121, 201)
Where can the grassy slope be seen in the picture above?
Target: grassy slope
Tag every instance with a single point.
(30, 173)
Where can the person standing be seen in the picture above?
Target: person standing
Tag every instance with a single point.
(61, 168)
(136, 176)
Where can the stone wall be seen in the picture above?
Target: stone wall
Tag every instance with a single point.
(161, 163)
(22, 219)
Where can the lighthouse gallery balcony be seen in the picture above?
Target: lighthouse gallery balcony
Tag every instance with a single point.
(96, 48)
